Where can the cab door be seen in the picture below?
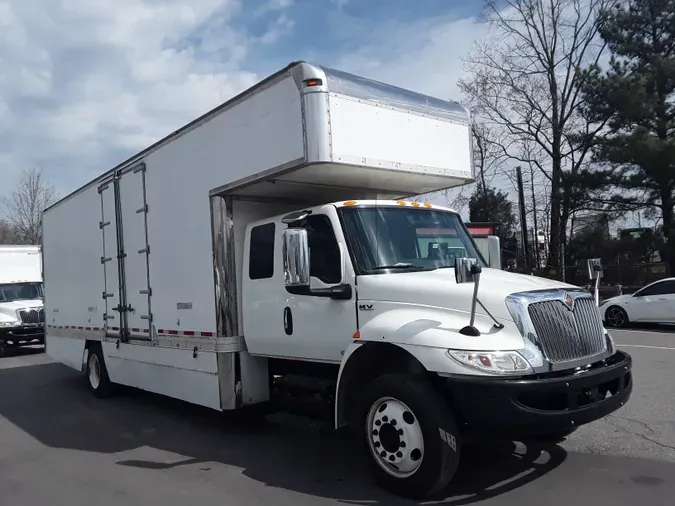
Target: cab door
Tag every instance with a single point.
(321, 328)
(277, 323)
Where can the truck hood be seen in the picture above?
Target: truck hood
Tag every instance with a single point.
(438, 288)
(8, 309)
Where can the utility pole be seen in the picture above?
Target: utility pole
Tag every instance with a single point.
(523, 218)
(535, 235)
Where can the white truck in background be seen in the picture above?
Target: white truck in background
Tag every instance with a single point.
(21, 306)
(264, 249)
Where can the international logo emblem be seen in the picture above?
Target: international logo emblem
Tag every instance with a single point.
(569, 301)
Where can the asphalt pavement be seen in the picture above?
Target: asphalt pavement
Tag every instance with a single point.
(61, 446)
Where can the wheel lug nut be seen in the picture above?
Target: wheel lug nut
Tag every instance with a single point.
(378, 423)
(401, 444)
(400, 431)
(393, 422)
(377, 444)
(399, 454)
(375, 433)
(383, 454)
(385, 419)
(392, 458)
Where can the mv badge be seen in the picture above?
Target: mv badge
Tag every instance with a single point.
(569, 301)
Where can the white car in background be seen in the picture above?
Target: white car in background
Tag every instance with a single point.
(654, 303)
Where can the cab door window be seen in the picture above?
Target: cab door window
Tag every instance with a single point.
(324, 252)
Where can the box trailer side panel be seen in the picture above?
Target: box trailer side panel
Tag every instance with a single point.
(133, 251)
(261, 132)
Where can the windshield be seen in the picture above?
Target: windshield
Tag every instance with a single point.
(11, 292)
(405, 238)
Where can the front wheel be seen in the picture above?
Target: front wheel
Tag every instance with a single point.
(411, 435)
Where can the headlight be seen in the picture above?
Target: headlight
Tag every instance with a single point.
(493, 362)
(10, 323)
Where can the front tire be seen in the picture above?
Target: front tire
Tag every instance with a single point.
(97, 373)
(411, 435)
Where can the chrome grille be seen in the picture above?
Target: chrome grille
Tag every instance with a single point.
(566, 335)
(32, 315)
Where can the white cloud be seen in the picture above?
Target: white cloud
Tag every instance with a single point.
(85, 83)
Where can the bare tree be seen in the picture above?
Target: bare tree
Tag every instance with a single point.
(525, 81)
(25, 205)
(6, 233)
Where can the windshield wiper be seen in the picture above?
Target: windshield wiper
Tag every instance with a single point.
(399, 266)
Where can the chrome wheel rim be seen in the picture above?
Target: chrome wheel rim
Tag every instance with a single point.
(395, 437)
(94, 371)
(616, 317)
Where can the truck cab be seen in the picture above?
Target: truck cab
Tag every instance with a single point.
(21, 296)
(375, 289)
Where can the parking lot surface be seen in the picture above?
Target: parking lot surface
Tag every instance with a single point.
(61, 446)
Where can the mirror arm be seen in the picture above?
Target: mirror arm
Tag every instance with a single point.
(497, 324)
(470, 330)
(597, 290)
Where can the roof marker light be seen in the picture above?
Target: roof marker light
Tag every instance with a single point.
(349, 203)
(309, 83)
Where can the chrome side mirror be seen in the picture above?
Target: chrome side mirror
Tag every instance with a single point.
(466, 269)
(295, 252)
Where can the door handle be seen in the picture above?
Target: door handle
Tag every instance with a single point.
(288, 321)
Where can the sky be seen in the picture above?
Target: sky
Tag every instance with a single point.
(85, 84)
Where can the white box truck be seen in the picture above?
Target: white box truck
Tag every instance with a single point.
(21, 307)
(265, 248)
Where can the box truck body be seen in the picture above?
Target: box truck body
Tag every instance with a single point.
(267, 242)
(21, 307)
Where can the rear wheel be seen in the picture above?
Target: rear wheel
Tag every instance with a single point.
(411, 435)
(97, 373)
(616, 316)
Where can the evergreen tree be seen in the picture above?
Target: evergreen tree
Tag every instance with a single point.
(636, 97)
(488, 205)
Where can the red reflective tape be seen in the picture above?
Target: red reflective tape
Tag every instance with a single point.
(80, 328)
(173, 332)
(96, 329)
(188, 333)
(206, 334)
(115, 328)
(147, 331)
(87, 328)
(135, 329)
(160, 331)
